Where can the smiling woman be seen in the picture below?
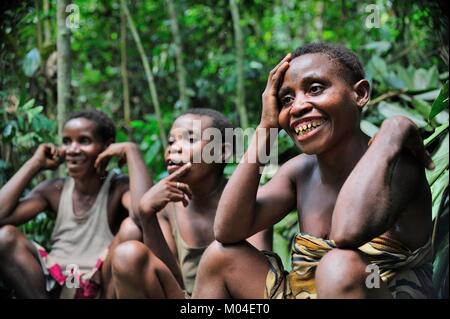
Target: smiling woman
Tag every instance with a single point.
(89, 205)
(318, 107)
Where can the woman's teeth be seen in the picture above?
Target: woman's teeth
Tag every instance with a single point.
(308, 127)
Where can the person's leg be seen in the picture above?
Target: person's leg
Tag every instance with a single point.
(342, 274)
(138, 273)
(231, 271)
(128, 231)
(19, 264)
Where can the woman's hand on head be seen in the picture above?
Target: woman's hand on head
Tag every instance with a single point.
(118, 150)
(167, 190)
(48, 156)
(270, 111)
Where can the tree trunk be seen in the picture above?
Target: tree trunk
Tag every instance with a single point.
(181, 70)
(148, 74)
(38, 26)
(123, 68)
(63, 64)
(47, 29)
(239, 42)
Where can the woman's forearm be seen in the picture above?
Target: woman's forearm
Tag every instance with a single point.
(236, 210)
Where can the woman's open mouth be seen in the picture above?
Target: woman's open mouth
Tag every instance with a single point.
(308, 127)
(172, 166)
(73, 162)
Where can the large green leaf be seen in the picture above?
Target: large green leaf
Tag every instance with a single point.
(440, 159)
(152, 152)
(31, 113)
(28, 105)
(394, 109)
(441, 102)
(31, 62)
(439, 130)
(284, 233)
(437, 191)
(368, 128)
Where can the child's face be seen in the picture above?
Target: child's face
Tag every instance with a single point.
(186, 145)
(318, 105)
(80, 146)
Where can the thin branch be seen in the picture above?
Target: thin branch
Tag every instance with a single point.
(148, 74)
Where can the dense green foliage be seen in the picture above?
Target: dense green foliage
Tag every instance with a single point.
(403, 46)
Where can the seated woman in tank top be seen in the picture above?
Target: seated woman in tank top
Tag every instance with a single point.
(91, 207)
(165, 264)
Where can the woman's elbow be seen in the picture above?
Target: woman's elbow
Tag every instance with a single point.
(347, 239)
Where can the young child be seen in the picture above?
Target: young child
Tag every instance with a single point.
(89, 205)
(185, 203)
(358, 205)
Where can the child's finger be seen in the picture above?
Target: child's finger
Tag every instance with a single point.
(180, 172)
(185, 201)
(178, 196)
(183, 187)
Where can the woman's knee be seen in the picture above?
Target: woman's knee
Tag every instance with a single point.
(129, 258)
(340, 270)
(9, 236)
(218, 252)
(220, 257)
(129, 230)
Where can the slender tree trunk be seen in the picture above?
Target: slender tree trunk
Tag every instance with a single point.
(181, 70)
(47, 29)
(123, 68)
(239, 42)
(63, 64)
(38, 26)
(318, 20)
(285, 9)
(148, 74)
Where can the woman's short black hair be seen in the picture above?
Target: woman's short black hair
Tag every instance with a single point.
(104, 126)
(338, 53)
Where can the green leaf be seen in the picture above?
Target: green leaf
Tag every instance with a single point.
(437, 190)
(7, 131)
(428, 96)
(31, 113)
(440, 103)
(28, 105)
(31, 62)
(421, 106)
(368, 128)
(152, 152)
(440, 264)
(137, 124)
(121, 136)
(394, 109)
(379, 46)
(439, 130)
(440, 159)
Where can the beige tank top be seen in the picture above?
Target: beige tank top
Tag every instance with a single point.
(80, 240)
(188, 258)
